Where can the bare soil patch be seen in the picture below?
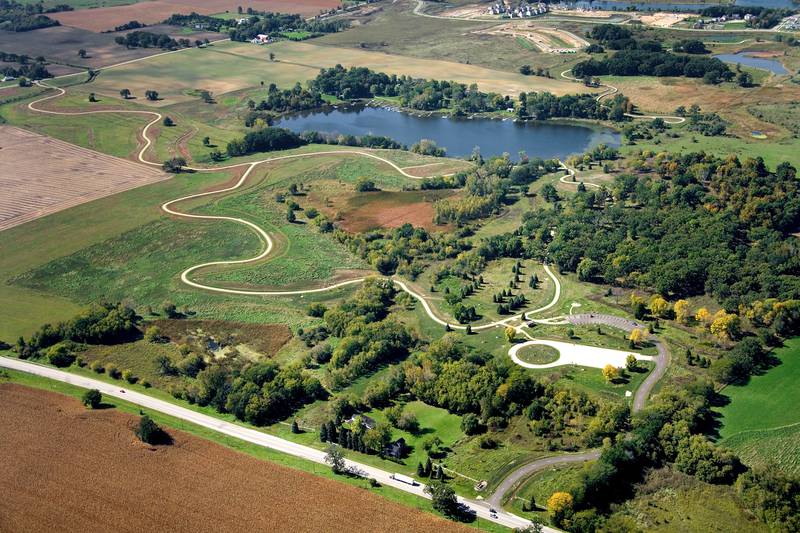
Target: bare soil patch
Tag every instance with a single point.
(359, 212)
(266, 339)
(106, 18)
(664, 20)
(547, 39)
(69, 469)
(42, 175)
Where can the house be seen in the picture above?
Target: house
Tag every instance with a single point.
(261, 38)
(396, 449)
(8, 78)
(366, 422)
(241, 21)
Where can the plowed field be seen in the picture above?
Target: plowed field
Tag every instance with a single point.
(69, 469)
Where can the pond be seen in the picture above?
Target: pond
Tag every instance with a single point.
(747, 60)
(545, 139)
(618, 5)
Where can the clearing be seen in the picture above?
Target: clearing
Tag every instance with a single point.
(762, 422)
(61, 175)
(72, 469)
(106, 18)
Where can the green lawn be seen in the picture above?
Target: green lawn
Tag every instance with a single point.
(762, 421)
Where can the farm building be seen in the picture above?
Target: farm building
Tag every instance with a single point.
(261, 38)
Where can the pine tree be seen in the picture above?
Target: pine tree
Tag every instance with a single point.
(469, 329)
(420, 470)
(428, 467)
(295, 427)
(323, 433)
(447, 327)
(333, 435)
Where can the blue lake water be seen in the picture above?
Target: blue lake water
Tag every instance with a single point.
(546, 139)
(772, 65)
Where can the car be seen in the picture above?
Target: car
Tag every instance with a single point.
(122, 391)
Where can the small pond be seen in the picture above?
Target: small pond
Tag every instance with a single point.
(747, 60)
(545, 139)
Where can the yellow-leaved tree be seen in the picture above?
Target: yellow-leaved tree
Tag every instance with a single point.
(658, 305)
(559, 505)
(682, 311)
(610, 372)
(511, 334)
(725, 326)
(636, 336)
(703, 317)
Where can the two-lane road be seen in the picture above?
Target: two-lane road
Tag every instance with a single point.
(253, 436)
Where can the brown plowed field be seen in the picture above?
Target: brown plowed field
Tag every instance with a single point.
(40, 175)
(69, 469)
(107, 18)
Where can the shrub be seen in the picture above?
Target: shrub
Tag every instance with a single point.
(149, 432)
(113, 371)
(471, 424)
(129, 376)
(60, 356)
(92, 398)
(97, 367)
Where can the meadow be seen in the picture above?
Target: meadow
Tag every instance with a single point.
(761, 422)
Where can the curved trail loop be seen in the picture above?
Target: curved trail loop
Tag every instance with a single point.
(610, 89)
(168, 207)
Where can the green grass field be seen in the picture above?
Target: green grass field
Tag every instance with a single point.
(762, 422)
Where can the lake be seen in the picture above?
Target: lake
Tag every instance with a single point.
(545, 139)
(772, 65)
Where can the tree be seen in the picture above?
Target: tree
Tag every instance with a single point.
(295, 427)
(377, 438)
(744, 79)
(82, 53)
(272, 56)
(610, 372)
(151, 95)
(443, 497)
(636, 336)
(703, 317)
(630, 362)
(150, 433)
(525, 70)
(92, 97)
(153, 334)
(658, 305)
(168, 122)
(334, 456)
(725, 326)
(174, 165)
(92, 398)
(206, 141)
(125, 93)
(559, 506)
(682, 311)
(471, 424)
(290, 216)
(364, 184)
(510, 333)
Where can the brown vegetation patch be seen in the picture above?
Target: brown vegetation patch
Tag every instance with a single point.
(69, 469)
(359, 212)
(106, 18)
(266, 339)
(61, 175)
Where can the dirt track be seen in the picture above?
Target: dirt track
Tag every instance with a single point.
(61, 175)
(69, 469)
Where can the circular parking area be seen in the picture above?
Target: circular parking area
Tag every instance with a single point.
(530, 353)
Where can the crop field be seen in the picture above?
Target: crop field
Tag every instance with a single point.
(151, 12)
(60, 176)
(247, 65)
(761, 421)
(48, 484)
(60, 44)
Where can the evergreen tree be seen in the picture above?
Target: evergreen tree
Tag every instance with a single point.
(323, 433)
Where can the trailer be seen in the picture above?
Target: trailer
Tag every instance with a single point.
(404, 479)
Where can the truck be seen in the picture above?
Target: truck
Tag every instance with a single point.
(404, 479)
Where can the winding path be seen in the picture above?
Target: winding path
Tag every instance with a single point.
(610, 89)
(169, 207)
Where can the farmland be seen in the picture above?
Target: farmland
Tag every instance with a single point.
(62, 176)
(150, 12)
(47, 484)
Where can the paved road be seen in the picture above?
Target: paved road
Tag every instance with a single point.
(248, 435)
(513, 480)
